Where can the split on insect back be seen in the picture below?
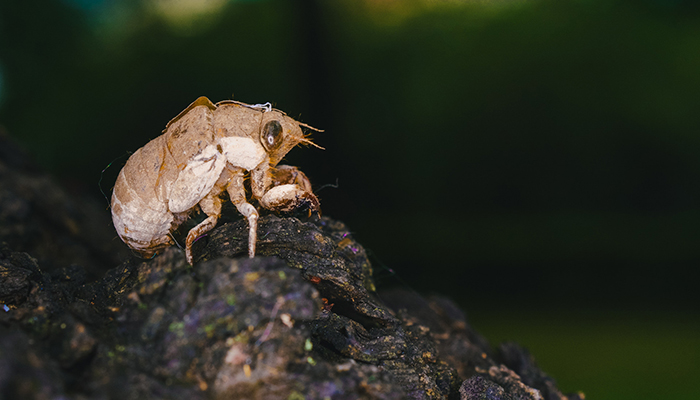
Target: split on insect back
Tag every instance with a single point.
(203, 152)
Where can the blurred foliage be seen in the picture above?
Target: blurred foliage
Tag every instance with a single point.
(635, 355)
(523, 154)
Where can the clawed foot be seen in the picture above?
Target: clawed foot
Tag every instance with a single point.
(287, 198)
(291, 191)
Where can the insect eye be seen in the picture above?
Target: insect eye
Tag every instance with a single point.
(271, 135)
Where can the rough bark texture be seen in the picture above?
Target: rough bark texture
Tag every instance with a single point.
(300, 321)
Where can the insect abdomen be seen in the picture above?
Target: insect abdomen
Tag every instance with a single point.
(139, 211)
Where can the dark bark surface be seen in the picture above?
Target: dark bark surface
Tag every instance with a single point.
(301, 320)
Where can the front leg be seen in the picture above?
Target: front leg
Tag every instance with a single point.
(290, 190)
(288, 175)
(236, 192)
(211, 206)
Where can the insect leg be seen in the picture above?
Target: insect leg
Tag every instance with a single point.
(211, 206)
(236, 192)
(291, 190)
(286, 174)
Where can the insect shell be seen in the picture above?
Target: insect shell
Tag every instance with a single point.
(206, 150)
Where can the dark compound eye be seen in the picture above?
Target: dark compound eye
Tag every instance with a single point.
(271, 135)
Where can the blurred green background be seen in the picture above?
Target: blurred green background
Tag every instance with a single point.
(536, 161)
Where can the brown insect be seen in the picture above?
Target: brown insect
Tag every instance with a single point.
(206, 150)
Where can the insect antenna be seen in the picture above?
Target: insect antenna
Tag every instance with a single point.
(310, 127)
(309, 142)
(305, 139)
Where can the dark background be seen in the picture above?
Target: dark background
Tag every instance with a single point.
(536, 161)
